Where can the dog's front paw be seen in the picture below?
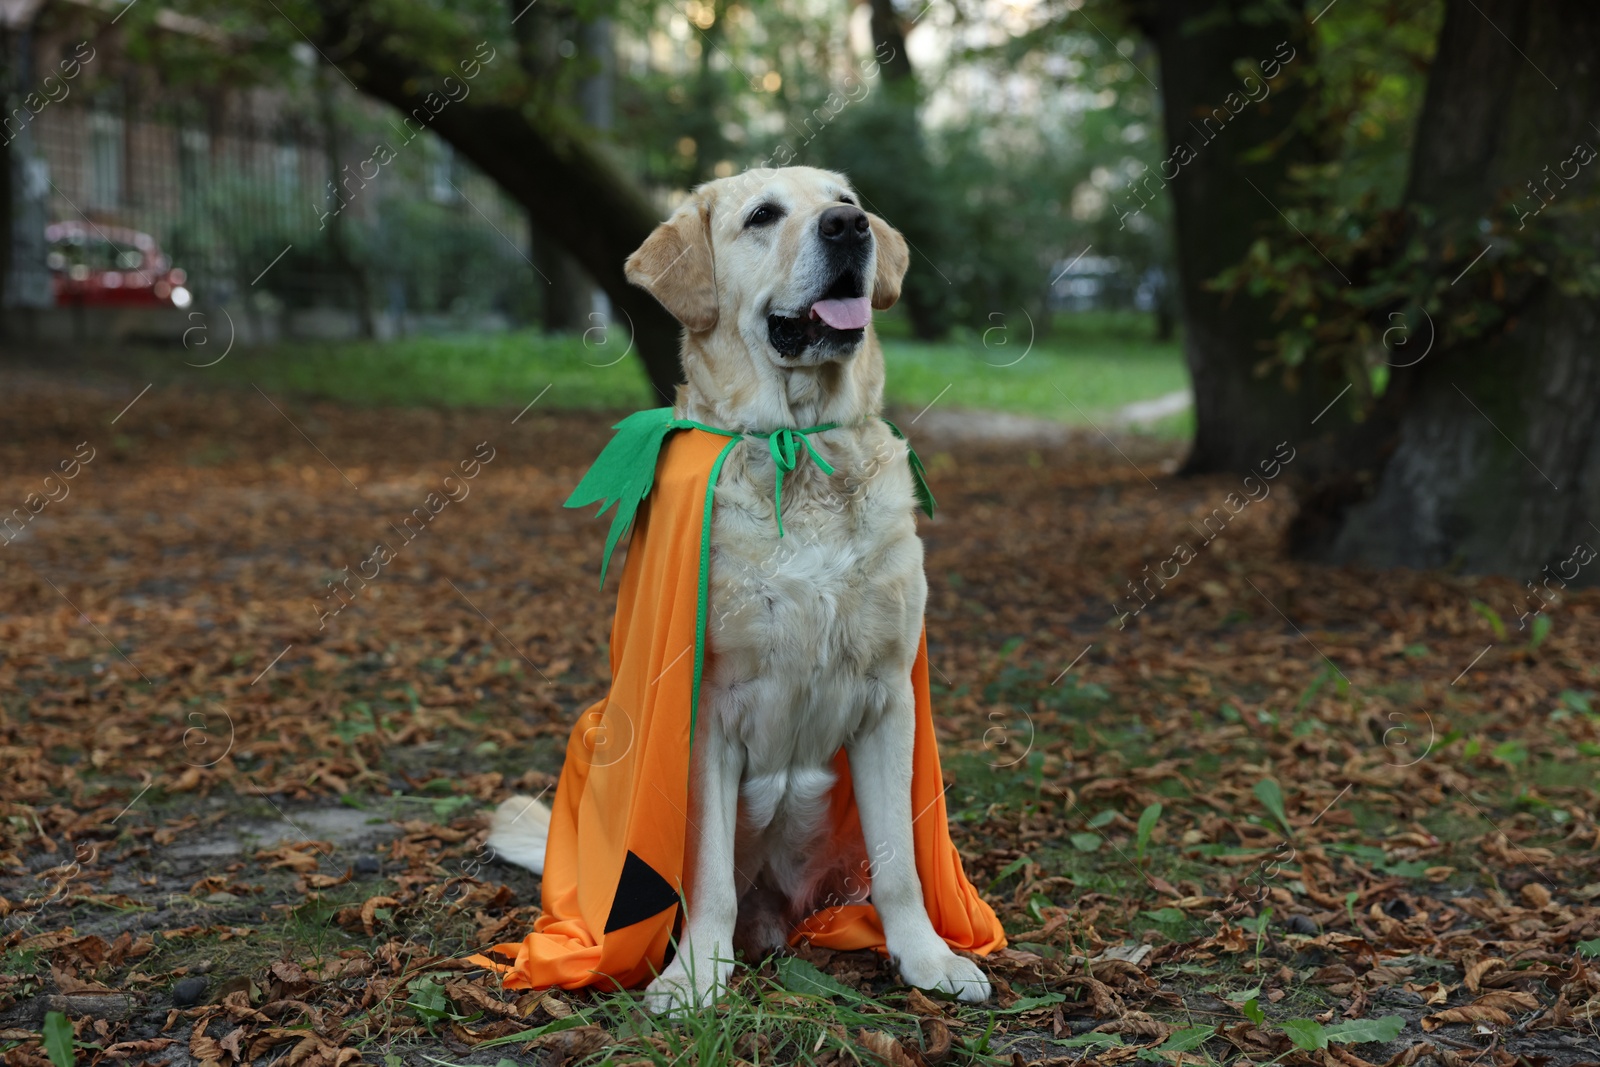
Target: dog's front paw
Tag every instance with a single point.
(676, 989)
(942, 971)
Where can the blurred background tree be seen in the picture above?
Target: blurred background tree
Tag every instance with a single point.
(1458, 302)
(1326, 204)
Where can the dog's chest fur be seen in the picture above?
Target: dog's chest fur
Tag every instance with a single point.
(807, 632)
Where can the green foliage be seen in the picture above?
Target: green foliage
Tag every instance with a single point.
(59, 1043)
(1541, 630)
(428, 1000)
(1006, 195)
(243, 220)
(1380, 860)
(1576, 701)
(1271, 796)
(1257, 924)
(1183, 1041)
(1514, 752)
(1365, 283)
(1369, 75)
(1325, 675)
(1104, 366)
(796, 1029)
(798, 976)
(1099, 361)
(1009, 869)
(442, 263)
(1031, 1003)
(1311, 1035)
(576, 1019)
(1003, 194)
(1147, 824)
(482, 369)
(1492, 617)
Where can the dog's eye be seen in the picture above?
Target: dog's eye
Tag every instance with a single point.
(764, 215)
(847, 200)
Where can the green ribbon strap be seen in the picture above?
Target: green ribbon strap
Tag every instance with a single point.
(784, 454)
(625, 470)
(919, 475)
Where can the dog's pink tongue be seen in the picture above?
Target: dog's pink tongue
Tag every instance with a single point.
(851, 314)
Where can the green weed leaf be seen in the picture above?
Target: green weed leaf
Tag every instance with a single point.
(1541, 630)
(576, 1019)
(1086, 842)
(58, 1040)
(1147, 825)
(1577, 701)
(1270, 795)
(1030, 1003)
(1493, 618)
(1306, 1033)
(798, 976)
(1360, 1031)
(1166, 916)
(428, 1000)
(1311, 1035)
(1008, 870)
(1184, 1040)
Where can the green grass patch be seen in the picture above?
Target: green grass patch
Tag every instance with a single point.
(1099, 362)
(1096, 361)
(465, 370)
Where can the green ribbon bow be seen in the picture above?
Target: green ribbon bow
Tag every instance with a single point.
(784, 451)
(625, 470)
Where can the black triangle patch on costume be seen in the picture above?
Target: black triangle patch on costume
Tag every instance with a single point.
(641, 893)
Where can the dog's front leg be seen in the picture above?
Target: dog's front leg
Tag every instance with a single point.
(880, 772)
(699, 971)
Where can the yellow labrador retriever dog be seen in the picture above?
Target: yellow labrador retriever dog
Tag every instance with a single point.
(774, 275)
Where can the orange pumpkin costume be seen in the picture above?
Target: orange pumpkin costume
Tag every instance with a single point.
(614, 862)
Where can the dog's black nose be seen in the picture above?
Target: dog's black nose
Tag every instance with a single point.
(844, 223)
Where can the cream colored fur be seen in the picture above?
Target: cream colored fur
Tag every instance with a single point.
(811, 637)
(518, 832)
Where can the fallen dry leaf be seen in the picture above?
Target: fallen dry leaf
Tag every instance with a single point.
(885, 1048)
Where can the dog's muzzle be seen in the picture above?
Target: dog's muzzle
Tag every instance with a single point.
(837, 320)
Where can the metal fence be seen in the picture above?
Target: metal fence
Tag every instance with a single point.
(324, 223)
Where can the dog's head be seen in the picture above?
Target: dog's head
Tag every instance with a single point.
(785, 262)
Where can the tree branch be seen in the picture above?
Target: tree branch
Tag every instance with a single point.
(571, 190)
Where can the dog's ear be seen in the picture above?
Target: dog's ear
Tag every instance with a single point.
(675, 266)
(893, 259)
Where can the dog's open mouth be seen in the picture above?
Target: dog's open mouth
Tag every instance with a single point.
(836, 321)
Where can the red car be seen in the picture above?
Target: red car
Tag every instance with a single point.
(108, 266)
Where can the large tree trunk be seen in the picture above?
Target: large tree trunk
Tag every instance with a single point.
(7, 188)
(566, 304)
(1496, 458)
(566, 293)
(703, 118)
(889, 123)
(571, 190)
(1225, 191)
